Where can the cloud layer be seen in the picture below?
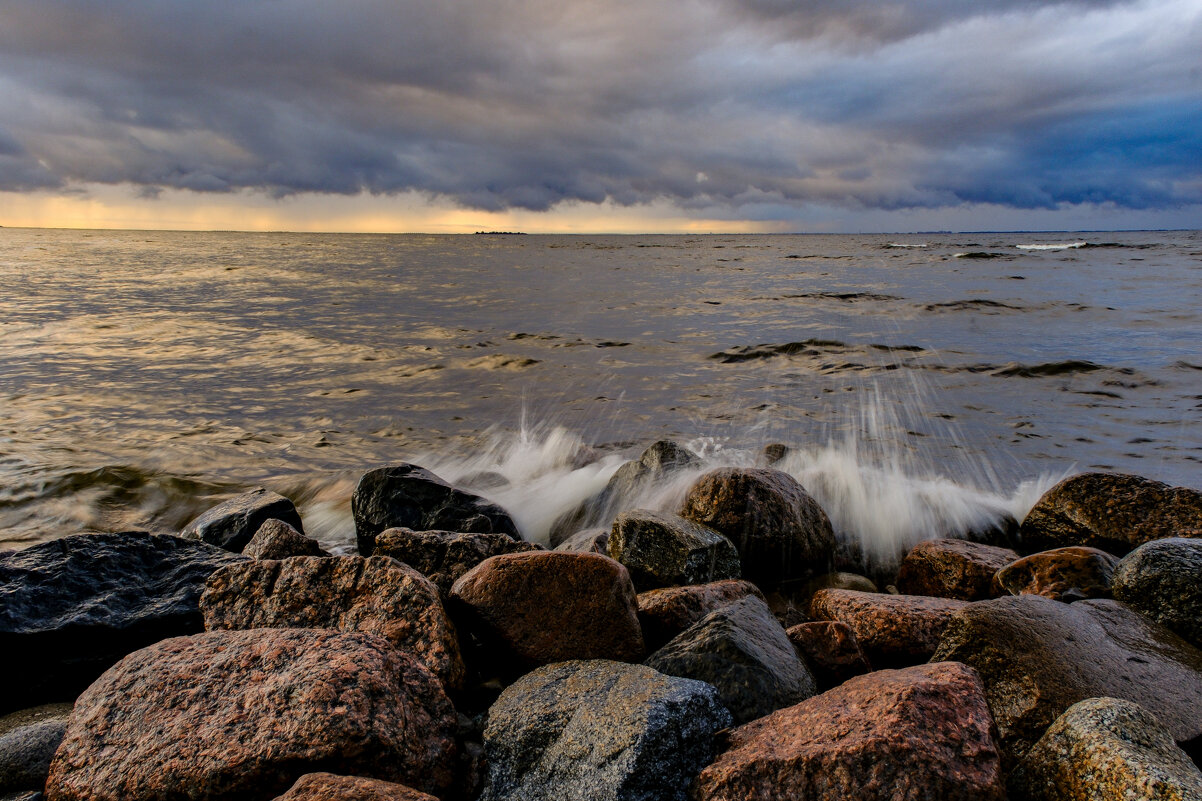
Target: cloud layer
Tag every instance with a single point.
(737, 104)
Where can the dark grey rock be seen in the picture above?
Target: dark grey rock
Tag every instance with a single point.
(664, 550)
(72, 607)
(232, 524)
(28, 740)
(655, 465)
(1037, 657)
(275, 539)
(1163, 580)
(590, 540)
(408, 496)
(741, 650)
(1106, 748)
(1113, 512)
(444, 556)
(599, 730)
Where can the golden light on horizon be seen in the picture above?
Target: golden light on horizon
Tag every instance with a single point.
(117, 207)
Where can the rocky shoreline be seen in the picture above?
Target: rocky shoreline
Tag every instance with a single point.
(730, 650)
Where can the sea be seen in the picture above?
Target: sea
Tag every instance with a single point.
(924, 384)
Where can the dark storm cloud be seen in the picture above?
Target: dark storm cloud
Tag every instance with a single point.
(526, 103)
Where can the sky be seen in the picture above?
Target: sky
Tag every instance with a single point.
(601, 115)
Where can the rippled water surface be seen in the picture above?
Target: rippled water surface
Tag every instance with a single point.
(919, 379)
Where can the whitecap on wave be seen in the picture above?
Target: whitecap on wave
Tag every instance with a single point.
(1051, 245)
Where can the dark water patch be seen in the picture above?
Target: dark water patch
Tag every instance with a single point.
(844, 296)
(808, 347)
(982, 254)
(972, 304)
(1184, 365)
(1101, 393)
(898, 348)
(1067, 367)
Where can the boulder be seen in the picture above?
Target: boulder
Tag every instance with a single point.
(1106, 749)
(547, 606)
(664, 550)
(444, 556)
(593, 730)
(894, 735)
(408, 496)
(590, 540)
(328, 787)
(1062, 574)
(231, 525)
(742, 651)
(830, 650)
(1113, 512)
(373, 594)
(28, 740)
(1038, 657)
(952, 568)
(654, 466)
(893, 630)
(666, 612)
(72, 607)
(275, 539)
(243, 714)
(1163, 580)
(780, 532)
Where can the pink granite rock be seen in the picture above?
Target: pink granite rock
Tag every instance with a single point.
(921, 733)
(1062, 574)
(242, 714)
(350, 593)
(893, 630)
(328, 787)
(666, 612)
(830, 649)
(952, 568)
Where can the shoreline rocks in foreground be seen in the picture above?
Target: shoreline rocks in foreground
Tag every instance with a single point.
(460, 663)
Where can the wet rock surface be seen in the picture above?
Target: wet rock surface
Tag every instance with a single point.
(1163, 580)
(663, 550)
(444, 556)
(779, 531)
(952, 568)
(656, 465)
(232, 524)
(72, 607)
(1062, 574)
(590, 540)
(328, 787)
(600, 730)
(275, 539)
(1037, 657)
(1114, 512)
(548, 606)
(892, 630)
(830, 650)
(903, 735)
(408, 496)
(373, 594)
(744, 653)
(668, 611)
(28, 740)
(1106, 749)
(246, 713)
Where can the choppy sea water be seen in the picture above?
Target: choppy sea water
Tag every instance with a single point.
(925, 383)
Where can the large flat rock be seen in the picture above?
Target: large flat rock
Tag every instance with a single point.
(1038, 657)
(241, 715)
(72, 607)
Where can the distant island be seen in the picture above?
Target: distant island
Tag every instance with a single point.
(500, 233)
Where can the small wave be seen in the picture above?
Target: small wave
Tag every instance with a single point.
(1067, 367)
(500, 361)
(906, 245)
(808, 347)
(981, 254)
(972, 303)
(844, 296)
(1051, 245)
